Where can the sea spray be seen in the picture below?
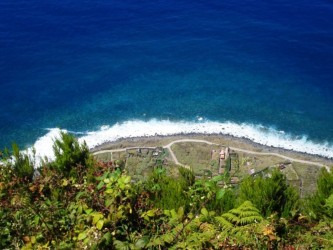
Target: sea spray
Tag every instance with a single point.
(138, 128)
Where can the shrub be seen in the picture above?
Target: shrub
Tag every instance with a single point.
(69, 153)
(270, 194)
(166, 192)
(318, 205)
(23, 164)
(187, 175)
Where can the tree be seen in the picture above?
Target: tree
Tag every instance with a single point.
(270, 194)
(318, 205)
(167, 192)
(69, 153)
(187, 175)
(23, 164)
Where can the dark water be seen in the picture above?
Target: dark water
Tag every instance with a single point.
(79, 65)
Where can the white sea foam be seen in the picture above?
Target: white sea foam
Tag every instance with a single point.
(256, 133)
(137, 128)
(43, 146)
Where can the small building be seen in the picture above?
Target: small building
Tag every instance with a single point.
(223, 159)
(224, 153)
(282, 166)
(158, 151)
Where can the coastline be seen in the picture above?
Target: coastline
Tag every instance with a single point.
(268, 136)
(162, 132)
(225, 140)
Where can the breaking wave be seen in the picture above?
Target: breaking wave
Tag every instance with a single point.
(138, 128)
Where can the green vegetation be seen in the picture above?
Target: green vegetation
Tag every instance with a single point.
(321, 203)
(77, 202)
(23, 164)
(269, 195)
(308, 175)
(196, 155)
(69, 154)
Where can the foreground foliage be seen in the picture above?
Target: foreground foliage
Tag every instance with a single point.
(78, 203)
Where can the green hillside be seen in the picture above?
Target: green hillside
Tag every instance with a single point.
(82, 202)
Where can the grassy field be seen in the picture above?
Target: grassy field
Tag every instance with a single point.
(199, 157)
(196, 155)
(308, 175)
(139, 165)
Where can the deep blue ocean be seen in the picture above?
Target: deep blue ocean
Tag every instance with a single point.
(80, 65)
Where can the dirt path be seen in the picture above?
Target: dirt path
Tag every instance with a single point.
(168, 147)
(279, 155)
(250, 152)
(174, 158)
(118, 150)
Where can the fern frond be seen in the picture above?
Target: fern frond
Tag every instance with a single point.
(234, 211)
(197, 240)
(247, 205)
(231, 217)
(244, 214)
(223, 223)
(250, 220)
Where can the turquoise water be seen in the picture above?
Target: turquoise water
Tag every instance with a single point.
(82, 65)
